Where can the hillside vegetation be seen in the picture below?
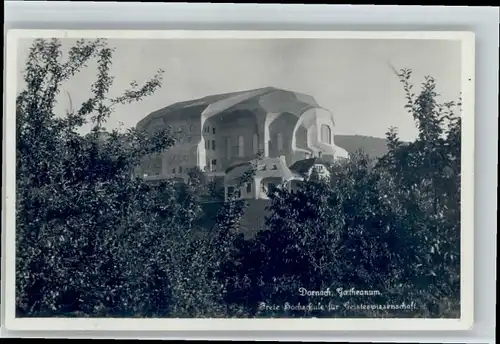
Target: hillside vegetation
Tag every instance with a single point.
(374, 147)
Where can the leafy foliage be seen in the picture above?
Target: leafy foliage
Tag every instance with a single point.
(391, 226)
(94, 240)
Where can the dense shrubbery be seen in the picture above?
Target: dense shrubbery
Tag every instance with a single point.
(94, 241)
(391, 226)
(90, 238)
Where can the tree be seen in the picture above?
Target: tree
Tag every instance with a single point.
(91, 239)
(391, 226)
(427, 171)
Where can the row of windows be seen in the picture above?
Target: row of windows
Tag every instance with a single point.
(211, 166)
(192, 128)
(177, 170)
(207, 144)
(240, 143)
(181, 129)
(265, 168)
(326, 136)
(207, 130)
(240, 146)
(270, 187)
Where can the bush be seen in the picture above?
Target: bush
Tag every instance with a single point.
(90, 238)
(391, 226)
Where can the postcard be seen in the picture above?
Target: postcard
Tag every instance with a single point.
(238, 180)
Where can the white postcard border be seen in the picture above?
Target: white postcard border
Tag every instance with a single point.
(169, 324)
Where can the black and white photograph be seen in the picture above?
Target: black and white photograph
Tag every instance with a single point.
(214, 177)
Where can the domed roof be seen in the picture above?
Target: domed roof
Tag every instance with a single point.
(268, 99)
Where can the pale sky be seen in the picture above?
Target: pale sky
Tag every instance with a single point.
(351, 78)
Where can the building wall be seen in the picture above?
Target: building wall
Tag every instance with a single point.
(238, 136)
(247, 191)
(257, 189)
(175, 160)
(301, 150)
(150, 166)
(265, 185)
(301, 138)
(324, 118)
(307, 140)
(209, 147)
(235, 137)
(280, 136)
(182, 156)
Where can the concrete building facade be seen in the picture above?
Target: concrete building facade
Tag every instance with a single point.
(217, 132)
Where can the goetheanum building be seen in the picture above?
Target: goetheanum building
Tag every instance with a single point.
(219, 131)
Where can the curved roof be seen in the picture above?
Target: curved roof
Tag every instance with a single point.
(268, 99)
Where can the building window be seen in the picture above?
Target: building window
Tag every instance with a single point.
(280, 142)
(269, 146)
(275, 167)
(249, 187)
(189, 138)
(239, 146)
(173, 170)
(320, 154)
(255, 144)
(207, 144)
(326, 134)
(180, 169)
(213, 144)
(191, 127)
(213, 164)
(213, 131)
